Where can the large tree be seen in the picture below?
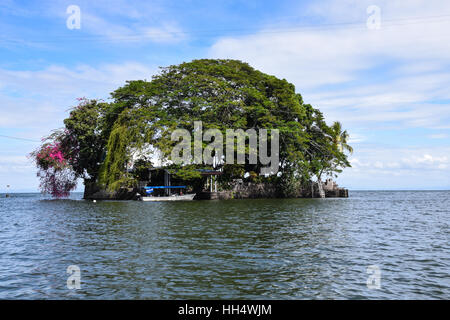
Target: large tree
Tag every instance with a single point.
(222, 94)
(75, 151)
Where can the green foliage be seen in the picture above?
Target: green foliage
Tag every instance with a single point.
(112, 172)
(186, 173)
(141, 170)
(340, 137)
(288, 183)
(223, 94)
(83, 140)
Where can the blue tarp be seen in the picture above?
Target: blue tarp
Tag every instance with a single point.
(149, 190)
(164, 187)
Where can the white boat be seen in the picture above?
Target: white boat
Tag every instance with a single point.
(150, 191)
(175, 197)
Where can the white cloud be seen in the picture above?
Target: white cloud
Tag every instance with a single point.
(438, 136)
(356, 138)
(356, 75)
(17, 164)
(397, 168)
(426, 161)
(47, 94)
(404, 159)
(60, 80)
(120, 21)
(167, 33)
(370, 80)
(137, 33)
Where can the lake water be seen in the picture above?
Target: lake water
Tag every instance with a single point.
(235, 249)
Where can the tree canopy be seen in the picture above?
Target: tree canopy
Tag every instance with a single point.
(101, 140)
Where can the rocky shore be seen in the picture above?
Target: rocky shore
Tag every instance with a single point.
(240, 190)
(249, 190)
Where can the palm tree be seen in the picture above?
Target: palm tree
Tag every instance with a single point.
(340, 137)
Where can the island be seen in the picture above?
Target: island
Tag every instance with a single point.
(276, 145)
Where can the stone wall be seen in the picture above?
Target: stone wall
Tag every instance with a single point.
(241, 190)
(253, 190)
(221, 195)
(249, 190)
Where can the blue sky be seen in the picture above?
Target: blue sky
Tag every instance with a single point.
(389, 87)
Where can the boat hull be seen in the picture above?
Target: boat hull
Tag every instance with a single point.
(185, 197)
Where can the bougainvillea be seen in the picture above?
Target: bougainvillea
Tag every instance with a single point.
(74, 151)
(50, 155)
(55, 173)
(57, 182)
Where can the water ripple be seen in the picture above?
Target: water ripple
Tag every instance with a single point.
(248, 249)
